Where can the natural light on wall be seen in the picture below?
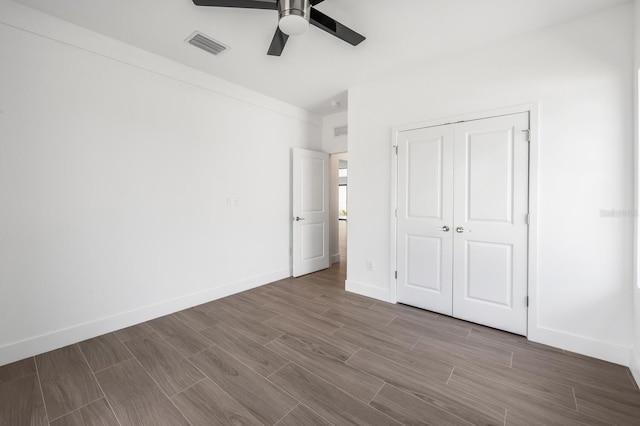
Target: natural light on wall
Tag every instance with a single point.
(342, 202)
(342, 193)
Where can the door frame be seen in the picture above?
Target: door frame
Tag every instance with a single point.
(532, 241)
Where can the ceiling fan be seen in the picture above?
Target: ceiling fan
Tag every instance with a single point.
(294, 19)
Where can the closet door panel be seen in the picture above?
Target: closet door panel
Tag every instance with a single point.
(425, 214)
(490, 216)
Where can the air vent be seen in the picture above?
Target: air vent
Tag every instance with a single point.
(340, 131)
(206, 43)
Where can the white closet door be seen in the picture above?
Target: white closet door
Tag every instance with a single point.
(490, 222)
(425, 218)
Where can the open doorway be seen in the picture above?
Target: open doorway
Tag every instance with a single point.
(343, 175)
(335, 142)
(339, 210)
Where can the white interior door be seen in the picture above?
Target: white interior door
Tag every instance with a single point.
(490, 215)
(462, 224)
(425, 218)
(310, 211)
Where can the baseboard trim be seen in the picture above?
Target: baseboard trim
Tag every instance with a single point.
(369, 290)
(610, 352)
(57, 339)
(335, 258)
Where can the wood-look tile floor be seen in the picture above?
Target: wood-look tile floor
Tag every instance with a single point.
(305, 352)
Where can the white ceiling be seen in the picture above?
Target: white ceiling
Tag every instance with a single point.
(316, 67)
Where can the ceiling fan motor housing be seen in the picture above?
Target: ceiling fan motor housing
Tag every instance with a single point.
(291, 12)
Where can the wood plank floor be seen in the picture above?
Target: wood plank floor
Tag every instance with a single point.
(305, 352)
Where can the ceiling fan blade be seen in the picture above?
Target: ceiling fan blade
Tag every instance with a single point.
(334, 27)
(314, 2)
(245, 4)
(278, 43)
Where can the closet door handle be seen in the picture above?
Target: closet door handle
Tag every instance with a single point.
(443, 229)
(460, 230)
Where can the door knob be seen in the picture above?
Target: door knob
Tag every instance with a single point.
(460, 230)
(445, 228)
(298, 218)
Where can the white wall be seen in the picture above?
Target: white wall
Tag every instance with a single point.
(635, 364)
(580, 73)
(115, 168)
(330, 143)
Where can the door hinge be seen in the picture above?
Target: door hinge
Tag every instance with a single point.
(396, 275)
(396, 212)
(528, 219)
(396, 149)
(528, 132)
(526, 301)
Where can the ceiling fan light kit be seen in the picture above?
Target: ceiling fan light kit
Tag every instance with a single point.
(295, 16)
